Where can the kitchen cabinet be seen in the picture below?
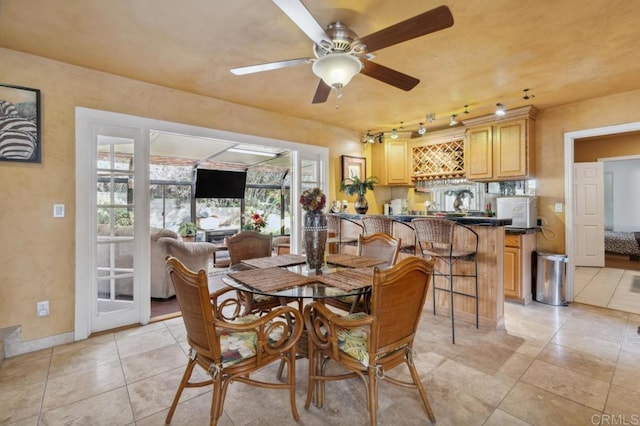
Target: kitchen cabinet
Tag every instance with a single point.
(517, 266)
(501, 149)
(390, 162)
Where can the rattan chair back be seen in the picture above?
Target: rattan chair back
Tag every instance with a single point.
(398, 296)
(248, 245)
(381, 246)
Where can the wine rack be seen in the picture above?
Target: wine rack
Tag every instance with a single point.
(437, 161)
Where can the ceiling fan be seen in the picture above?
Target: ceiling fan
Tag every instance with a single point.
(340, 54)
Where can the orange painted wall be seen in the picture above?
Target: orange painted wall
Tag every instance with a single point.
(590, 149)
(38, 251)
(37, 254)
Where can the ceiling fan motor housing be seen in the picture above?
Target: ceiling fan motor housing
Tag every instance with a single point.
(343, 38)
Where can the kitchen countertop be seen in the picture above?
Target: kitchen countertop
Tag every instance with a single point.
(465, 220)
(520, 231)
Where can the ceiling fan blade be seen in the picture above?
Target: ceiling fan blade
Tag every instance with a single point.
(322, 93)
(270, 66)
(304, 20)
(389, 76)
(434, 20)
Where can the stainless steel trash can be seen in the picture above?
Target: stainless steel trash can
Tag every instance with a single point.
(551, 273)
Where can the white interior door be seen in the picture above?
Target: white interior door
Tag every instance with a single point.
(588, 210)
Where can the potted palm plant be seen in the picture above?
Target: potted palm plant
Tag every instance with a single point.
(356, 186)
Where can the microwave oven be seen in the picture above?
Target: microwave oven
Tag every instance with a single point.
(523, 211)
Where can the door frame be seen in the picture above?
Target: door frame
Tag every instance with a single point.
(85, 119)
(569, 141)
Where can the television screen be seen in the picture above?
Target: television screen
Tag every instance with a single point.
(220, 183)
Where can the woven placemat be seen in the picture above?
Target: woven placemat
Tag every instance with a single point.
(269, 279)
(353, 261)
(348, 279)
(276, 261)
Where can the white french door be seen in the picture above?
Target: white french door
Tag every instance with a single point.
(112, 271)
(112, 181)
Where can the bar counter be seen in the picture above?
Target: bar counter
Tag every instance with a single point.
(491, 234)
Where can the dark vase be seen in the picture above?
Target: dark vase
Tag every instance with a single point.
(315, 239)
(361, 205)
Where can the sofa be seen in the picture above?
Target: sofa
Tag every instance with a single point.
(163, 242)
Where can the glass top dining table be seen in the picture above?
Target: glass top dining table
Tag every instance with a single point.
(295, 280)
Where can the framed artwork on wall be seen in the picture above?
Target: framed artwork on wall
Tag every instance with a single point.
(353, 167)
(20, 124)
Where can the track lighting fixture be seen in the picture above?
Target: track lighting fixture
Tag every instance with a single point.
(526, 95)
(430, 119)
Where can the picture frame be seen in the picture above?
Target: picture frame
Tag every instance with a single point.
(20, 137)
(353, 167)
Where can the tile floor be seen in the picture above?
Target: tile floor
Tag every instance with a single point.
(571, 365)
(608, 287)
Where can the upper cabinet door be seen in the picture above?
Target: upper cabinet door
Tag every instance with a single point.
(478, 153)
(501, 149)
(511, 149)
(397, 163)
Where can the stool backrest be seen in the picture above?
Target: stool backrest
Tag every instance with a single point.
(432, 230)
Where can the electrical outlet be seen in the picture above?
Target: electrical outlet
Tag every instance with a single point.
(42, 308)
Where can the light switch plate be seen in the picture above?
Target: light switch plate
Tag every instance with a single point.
(58, 210)
(558, 208)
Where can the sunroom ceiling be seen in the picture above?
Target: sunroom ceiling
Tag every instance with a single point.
(208, 153)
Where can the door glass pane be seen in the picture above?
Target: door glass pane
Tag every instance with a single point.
(115, 224)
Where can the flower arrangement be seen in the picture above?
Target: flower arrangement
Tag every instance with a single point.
(256, 222)
(313, 200)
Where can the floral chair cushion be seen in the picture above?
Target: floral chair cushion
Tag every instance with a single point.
(238, 346)
(353, 341)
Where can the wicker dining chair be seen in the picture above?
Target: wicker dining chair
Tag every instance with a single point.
(451, 243)
(370, 346)
(251, 245)
(380, 246)
(228, 347)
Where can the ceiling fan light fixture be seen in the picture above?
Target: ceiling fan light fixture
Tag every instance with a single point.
(500, 109)
(337, 69)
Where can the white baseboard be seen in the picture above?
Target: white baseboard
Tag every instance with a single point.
(14, 345)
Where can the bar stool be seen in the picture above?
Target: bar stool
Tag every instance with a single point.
(342, 231)
(450, 242)
(377, 225)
